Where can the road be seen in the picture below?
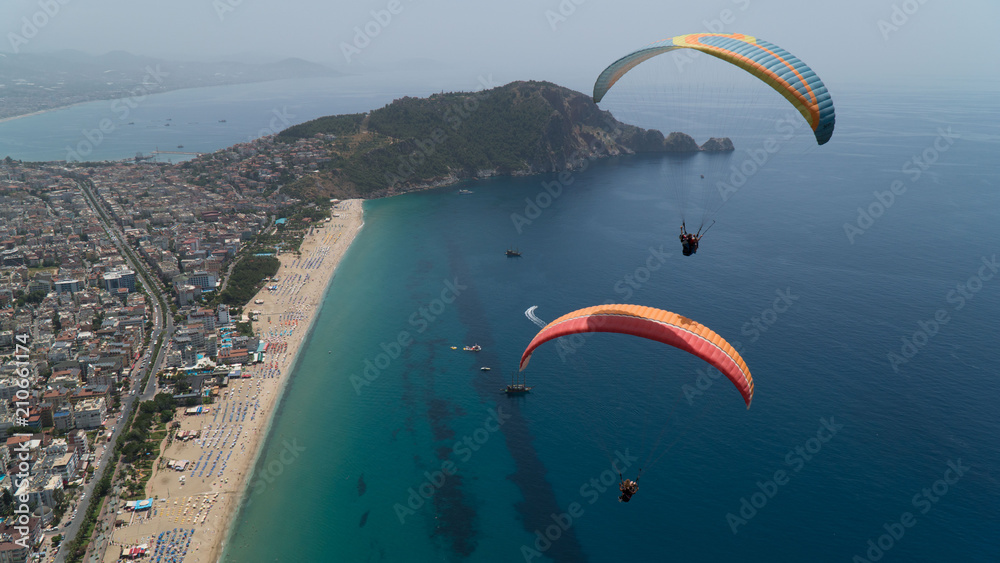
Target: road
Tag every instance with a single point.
(163, 327)
(229, 273)
(69, 531)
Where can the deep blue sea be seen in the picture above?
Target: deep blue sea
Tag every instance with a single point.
(872, 435)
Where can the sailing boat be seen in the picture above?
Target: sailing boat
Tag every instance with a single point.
(517, 386)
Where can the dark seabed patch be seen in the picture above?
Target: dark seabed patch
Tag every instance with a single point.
(364, 519)
(540, 500)
(456, 519)
(439, 412)
(376, 552)
(362, 487)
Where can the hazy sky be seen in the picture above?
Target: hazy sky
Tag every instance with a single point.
(845, 40)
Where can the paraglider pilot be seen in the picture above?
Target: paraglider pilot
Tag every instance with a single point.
(689, 241)
(628, 488)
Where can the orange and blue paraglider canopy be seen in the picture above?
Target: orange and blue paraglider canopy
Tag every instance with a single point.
(778, 68)
(657, 325)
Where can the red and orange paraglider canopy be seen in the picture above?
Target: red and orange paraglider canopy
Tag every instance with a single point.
(653, 324)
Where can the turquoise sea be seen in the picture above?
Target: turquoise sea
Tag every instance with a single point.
(872, 435)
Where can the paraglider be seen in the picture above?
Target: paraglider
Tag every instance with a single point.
(719, 100)
(653, 324)
(628, 488)
(689, 241)
(656, 325)
(778, 68)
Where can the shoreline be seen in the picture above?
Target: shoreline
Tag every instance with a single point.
(43, 111)
(208, 504)
(351, 232)
(195, 87)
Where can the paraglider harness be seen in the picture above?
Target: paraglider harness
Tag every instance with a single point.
(628, 487)
(689, 241)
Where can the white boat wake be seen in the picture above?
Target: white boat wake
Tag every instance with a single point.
(530, 313)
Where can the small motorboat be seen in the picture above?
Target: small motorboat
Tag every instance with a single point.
(484, 368)
(473, 348)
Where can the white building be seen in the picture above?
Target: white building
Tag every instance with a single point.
(67, 286)
(90, 413)
(58, 460)
(41, 489)
(118, 279)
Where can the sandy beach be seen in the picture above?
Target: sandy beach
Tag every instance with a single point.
(41, 111)
(194, 508)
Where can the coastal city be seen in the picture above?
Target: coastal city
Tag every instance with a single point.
(149, 314)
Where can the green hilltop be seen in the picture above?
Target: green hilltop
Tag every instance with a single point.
(517, 129)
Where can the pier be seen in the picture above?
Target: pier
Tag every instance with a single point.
(158, 152)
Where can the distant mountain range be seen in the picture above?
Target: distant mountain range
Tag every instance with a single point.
(517, 129)
(32, 82)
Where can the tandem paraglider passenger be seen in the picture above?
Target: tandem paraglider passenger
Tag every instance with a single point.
(628, 488)
(689, 242)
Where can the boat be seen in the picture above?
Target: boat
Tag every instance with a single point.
(484, 368)
(473, 348)
(516, 387)
(180, 146)
(454, 347)
(465, 192)
(222, 121)
(512, 253)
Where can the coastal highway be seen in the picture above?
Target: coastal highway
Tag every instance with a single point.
(163, 322)
(163, 327)
(69, 531)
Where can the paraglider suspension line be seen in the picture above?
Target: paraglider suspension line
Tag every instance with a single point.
(700, 234)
